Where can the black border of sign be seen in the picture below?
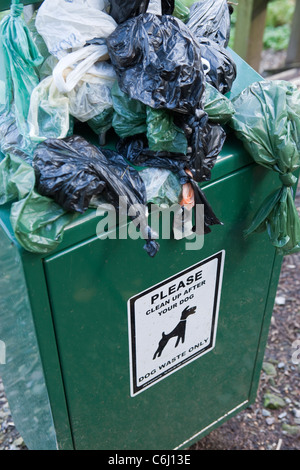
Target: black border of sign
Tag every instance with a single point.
(136, 389)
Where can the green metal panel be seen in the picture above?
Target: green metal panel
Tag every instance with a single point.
(46, 337)
(22, 372)
(32, 375)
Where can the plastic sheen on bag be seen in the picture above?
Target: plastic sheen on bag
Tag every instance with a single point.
(222, 71)
(167, 7)
(267, 120)
(162, 186)
(132, 117)
(162, 133)
(86, 79)
(90, 98)
(181, 11)
(66, 25)
(19, 59)
(102, 123)
(217, 106)
(49, 115)
(86, 172)
(70, 69)
(72, 171)
(129, 116)
(205, 142)
(158, 62)
(211, 19)
(37, 38)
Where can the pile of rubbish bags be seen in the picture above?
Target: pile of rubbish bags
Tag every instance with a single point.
(152, 73)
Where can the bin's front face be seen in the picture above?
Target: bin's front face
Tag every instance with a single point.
(127, 385)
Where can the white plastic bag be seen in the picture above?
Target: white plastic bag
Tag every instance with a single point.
(68, 24)
(162, 187)
(83, 91)
(92, 95)
(48, 115)
(87, 80)
(155, 7)
(80, 63)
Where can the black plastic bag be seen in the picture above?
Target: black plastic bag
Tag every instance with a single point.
(211, 19)
(223, 70)
(71, 171)
(158, 62)
(205, 142)
(122, 10)
(135, 150)
(167, 7)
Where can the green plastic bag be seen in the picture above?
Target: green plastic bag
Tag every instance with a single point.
(19, 59)
(38, 222)
(217, 106)
(102, 123)
(162, 133)
(131, 117)
(267, 120)
(181, 11)
(16, 179)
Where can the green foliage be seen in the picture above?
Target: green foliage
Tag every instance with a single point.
(277, 38)
(278, 24)
(233, 23)
(280, 13)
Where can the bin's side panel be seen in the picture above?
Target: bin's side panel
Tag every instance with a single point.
(38, 296)
(21, 369)
(89, 286)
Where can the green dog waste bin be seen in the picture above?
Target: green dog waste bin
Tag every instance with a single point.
(106, 348)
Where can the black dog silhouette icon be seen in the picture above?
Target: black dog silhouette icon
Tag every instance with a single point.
(179, 332)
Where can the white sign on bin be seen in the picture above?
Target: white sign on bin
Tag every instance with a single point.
(174, 322)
